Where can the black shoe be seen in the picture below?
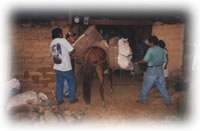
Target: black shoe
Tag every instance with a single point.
(140, 102)
(61, 102)
(168, 105)
(67, 96)
(75, 101)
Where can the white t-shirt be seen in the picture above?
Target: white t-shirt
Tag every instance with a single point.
(60, 49)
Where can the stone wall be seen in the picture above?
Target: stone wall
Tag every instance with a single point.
(32, 61)
(173, 36)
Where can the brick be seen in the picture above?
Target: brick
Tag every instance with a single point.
(33, 60)
(35, 73)
(45, 78)
(26, 74)
(36, 79)
(44, 69)
(52, 85)
(43, 54)
(27, 80)
(51, 73)
(47, 60)
(25, 54)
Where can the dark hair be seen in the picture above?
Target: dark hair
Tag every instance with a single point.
(153, 39)
(56, 33)
(70, 34)
(161, 43)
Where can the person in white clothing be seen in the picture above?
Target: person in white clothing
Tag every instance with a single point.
(162, 45)
(60, 49)
(70, 38)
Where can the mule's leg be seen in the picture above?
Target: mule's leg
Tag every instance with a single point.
(110, 79)
(99, 70)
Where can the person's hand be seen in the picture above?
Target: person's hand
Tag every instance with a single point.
(165, 67)
(74, 56)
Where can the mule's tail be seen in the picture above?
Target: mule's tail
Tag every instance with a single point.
(87, 80)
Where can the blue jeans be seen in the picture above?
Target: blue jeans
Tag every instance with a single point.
(154, 74)
(69, 77)
(66, 88)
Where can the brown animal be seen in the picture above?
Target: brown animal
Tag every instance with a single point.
(95, 60)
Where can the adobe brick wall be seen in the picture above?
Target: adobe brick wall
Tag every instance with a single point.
(32, 62)
(173, 35)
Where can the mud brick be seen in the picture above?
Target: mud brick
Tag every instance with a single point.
(46, 78)
(27, 80)
(42, 54)
(53, 78)
(44, 69)
(36, 79)
(33, 60)
(25, 54)
(48, 75)
(51, 73)
(47, 60)
(30, 35)
(52, 85)
(26, 74)
(42, 45)
(30, 66)
(40, 49)
(28, 44)
(29, 49)
(35, 73)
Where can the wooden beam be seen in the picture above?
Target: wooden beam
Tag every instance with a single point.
(120, 22)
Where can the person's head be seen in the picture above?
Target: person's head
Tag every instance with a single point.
(70, 37)
(113, 33)
(161, 43)
(153, 40)
(57, 33)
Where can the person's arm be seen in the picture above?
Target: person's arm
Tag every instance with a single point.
(140, 62)
(72, 54)
(147, 57)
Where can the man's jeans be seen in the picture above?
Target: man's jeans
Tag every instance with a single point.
(60, 77)
(154, 74)
(66, 88)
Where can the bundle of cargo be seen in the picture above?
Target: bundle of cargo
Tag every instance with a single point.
(102, 44)
(87, 39)
(113, 52)
(120, 54)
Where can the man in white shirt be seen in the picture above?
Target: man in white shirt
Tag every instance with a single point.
(60, 49)
(70, 38)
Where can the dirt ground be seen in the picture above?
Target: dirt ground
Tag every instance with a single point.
(121, 104)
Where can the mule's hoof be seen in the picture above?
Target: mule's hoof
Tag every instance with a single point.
(103, 104)
(111, 91)
(87, 102)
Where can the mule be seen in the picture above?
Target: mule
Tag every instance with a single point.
(94, 60)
